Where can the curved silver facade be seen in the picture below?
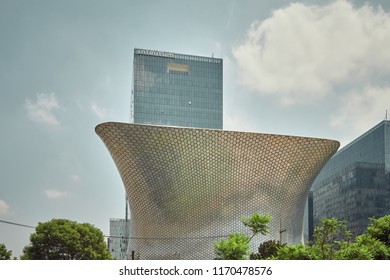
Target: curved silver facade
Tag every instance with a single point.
(189, 187)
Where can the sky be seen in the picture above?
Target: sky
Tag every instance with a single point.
(308, 68)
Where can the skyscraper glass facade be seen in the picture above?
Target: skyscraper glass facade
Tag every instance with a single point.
(176, 90)
(355, 184)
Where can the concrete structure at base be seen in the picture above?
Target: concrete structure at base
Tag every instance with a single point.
(118, 240)
(190, 187)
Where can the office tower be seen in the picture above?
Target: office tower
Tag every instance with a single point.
(176, 90)
(355, 184)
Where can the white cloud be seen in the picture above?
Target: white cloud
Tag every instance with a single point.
(100, 111)
(4, 207)
(362, 109)
(232, 123)
(237, 123)
(74, 178)
(54, 193)
(80, 105)
(42, 110)
(301, 53)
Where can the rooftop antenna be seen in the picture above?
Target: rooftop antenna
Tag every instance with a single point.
(212, 55)
(386, 116)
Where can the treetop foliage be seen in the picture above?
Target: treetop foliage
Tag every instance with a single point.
(332, 241)
(237, 246)
(380, 229)
(267, 250)
(4, 253)
(257, 223)
(61, 239)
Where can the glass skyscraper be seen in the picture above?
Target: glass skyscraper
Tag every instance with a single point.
(355, 184)
(176, 90)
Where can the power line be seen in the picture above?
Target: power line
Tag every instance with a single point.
(15, 224)
(134, 238)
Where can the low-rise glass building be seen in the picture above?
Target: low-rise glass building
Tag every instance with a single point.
(119, 238)
(355, 184)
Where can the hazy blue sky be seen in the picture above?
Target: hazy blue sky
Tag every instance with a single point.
(311, 68)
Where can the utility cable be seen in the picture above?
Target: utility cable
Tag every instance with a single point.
(15, 224)
(134, 238)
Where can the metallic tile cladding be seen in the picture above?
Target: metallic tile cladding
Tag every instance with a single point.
(189, 187)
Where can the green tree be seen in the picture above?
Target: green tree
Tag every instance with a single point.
(329, 238)
(267, 249)
(380, 229)
(295, 252)
(257, 223)
(236, 247)
(332, 241)
(61, 239)
(365, 247)
(374, 244)
(4, 253)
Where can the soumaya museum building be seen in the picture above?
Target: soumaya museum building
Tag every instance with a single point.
(188, 181)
